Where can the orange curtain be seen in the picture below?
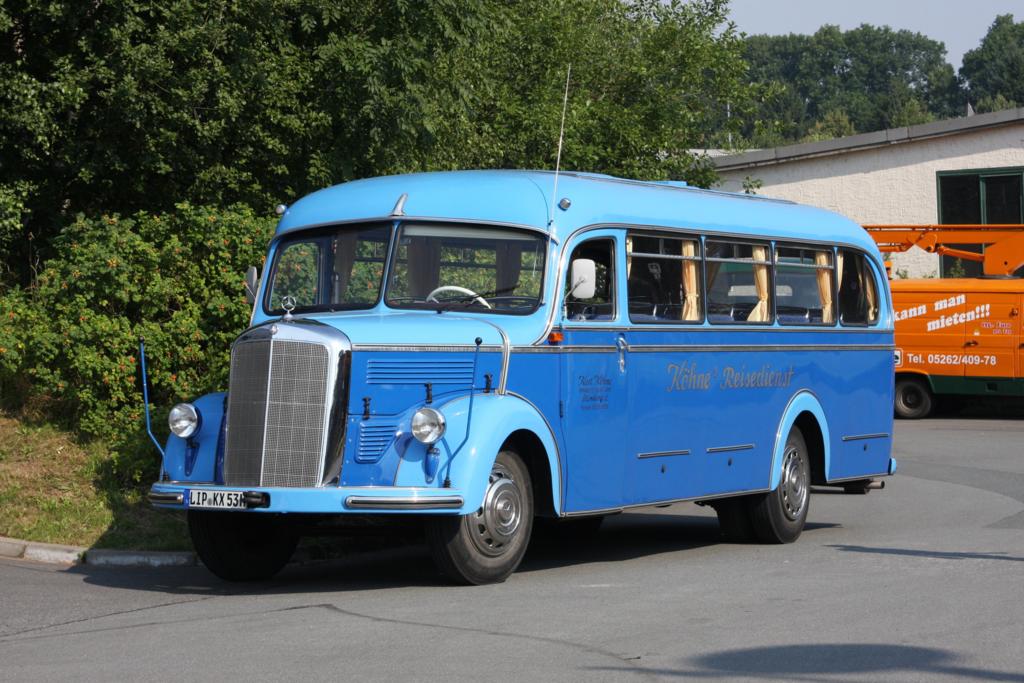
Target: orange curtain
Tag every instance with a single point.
(867, 284)
(691, 289)
(824, 286)
(760, 313)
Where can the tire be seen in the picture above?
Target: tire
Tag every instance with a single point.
(487, 546)
(239, 546)
(779, 516)
(734, 519)
(914, 398)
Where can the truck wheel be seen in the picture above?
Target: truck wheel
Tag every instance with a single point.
(486, 546)
(779, 516)
(238, 546)
(913, 398)
(734, 519)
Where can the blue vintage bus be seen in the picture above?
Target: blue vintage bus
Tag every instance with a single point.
(483, 348)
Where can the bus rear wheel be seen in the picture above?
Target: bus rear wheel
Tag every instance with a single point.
(779, 516)
(913, 398)
(239, 546)
(486, 546)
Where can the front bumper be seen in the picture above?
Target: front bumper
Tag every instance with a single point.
(353, 499)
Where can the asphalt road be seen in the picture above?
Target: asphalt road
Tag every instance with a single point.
(921, 581)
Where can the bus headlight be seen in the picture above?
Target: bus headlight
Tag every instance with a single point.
(184, 420)
(427, 425)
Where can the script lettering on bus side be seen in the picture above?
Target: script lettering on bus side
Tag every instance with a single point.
(764, 377)
(594, 391)
(686, 377)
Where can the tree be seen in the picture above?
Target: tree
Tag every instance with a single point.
(650, 82)
(834, 124)
(128, 105)
(877, 76)
(997, 103)
(996, 67)
(124, 105)
(784, 112)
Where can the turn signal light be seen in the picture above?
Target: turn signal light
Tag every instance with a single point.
(556, 337)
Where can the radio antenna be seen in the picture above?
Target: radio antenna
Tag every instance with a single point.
(558, 156)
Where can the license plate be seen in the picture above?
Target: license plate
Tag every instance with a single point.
(221, 500)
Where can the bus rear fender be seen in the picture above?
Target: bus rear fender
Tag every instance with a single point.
(804, 411)
(473, 441)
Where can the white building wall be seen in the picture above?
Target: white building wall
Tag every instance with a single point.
(892, 184)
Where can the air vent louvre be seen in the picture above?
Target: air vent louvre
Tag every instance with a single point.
(404, 372)
(374, 438)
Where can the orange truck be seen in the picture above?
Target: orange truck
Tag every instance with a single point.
(957, 336)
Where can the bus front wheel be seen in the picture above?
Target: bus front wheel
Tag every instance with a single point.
(487, 545)
(779, 516)
(913, 398)
(240, 546)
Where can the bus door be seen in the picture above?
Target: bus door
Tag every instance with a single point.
(670, 388)
(593, 377)
(990, 341)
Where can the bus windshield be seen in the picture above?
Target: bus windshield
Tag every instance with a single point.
(340, 269)
(435, 267)
(446, 267)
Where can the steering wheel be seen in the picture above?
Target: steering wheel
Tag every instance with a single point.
(460, 290)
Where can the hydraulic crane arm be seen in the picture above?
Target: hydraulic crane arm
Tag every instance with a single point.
(1004, 243)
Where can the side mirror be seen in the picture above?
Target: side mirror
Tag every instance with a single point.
(583, 275)
(252, 284)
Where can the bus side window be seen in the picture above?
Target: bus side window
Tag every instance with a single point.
(602, 305)
(858, 297)
(803, 286)
(663, 278)
(737, 276)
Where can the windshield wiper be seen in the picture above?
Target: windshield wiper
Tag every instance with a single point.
(470, 298)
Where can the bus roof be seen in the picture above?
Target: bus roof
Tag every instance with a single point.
(524, 198)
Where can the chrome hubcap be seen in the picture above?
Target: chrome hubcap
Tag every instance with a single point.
(493, 527)
(793, 488)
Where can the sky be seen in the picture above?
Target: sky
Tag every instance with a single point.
(960, 25)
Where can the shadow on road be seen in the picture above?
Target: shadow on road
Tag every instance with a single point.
(406, 562)
(877, 661)
(930, 554)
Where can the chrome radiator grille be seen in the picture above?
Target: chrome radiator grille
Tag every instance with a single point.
(277, 407)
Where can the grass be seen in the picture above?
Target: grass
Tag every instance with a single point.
(56, 490)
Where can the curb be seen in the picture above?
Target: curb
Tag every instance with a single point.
(131, 558)
(52, 553)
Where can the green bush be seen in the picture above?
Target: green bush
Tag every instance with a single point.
(69, 347)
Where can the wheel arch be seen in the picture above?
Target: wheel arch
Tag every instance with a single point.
(918, 375)
(498, 421)
(805, 412)
(531, 449)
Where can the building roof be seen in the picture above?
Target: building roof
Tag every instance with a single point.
(881, 138)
